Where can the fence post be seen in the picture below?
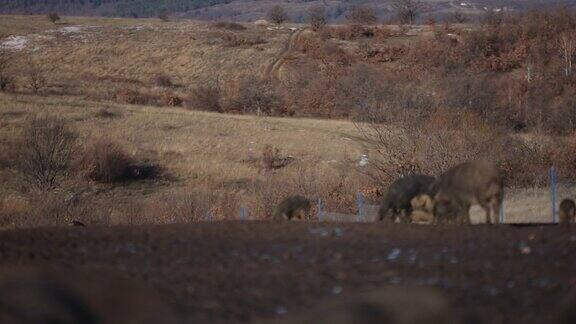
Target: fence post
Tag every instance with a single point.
(360, 203)
(319, 209)
(553, 192)
(501, 212)
(242, 213)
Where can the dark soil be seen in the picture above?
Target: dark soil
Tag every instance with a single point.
(241, 271)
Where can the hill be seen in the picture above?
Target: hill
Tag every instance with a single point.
(250, 10)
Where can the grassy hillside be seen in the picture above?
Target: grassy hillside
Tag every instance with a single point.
(250, 10)
(203, 155)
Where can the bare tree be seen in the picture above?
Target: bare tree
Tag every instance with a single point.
(45, 151)
(407, 10)
(317, 17)
(277, 14)
(163, 15)
(5, 80)
(567, 51)
(35, 78)
(53, 17)
(361, 15)
(458, 17)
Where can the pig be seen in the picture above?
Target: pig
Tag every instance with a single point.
(293, 208)
(476, 182)
(400, 194)
(567, 212)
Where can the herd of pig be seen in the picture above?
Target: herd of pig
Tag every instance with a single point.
(444, 200)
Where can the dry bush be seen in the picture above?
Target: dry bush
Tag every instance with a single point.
(106, 161)
(170, 99)
(229, 26)
(317, 17)
(442, 140)
(277, 14)
(386, 54)
(132, 97)
(326, 51)
(106, 113)
(7, 82)
(407, 10)
(273, 160)
(53, 17)
(35, 80)
(235, 40)
(45, 151)
(359, 15)
(163, 81)
(206, 96)
(354, 31)
(163, 15)
(253, 95)
(191, 206)
(336, 189)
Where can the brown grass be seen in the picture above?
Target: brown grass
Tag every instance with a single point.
(205, 155)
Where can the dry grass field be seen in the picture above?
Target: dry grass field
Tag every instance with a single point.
(211, 164)
(204, 153)
(196, 150)
(95, 57)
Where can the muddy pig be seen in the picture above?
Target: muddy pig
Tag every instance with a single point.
(477, 182)
(293, 207)
(567, 212)
(397, 200)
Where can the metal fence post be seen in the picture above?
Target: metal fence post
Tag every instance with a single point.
(553, 192)
(360, 203)
(242, 213)
(501, 212)
(319, 209)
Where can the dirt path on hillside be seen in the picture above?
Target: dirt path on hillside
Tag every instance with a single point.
(272, 71)
(235, 272)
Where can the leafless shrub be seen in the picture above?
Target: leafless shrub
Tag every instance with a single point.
(272, 159)
(45, 151)
(277, 14)
(163, 15)
(317, 17)
(132, 97)
(360, 15)
(458, 17)
(235, 40)
(7, 83)
(163, 80)
(444, 139)
(407, 10)
(170, 99)
(106, 161)
(253, 95)
(53, 17)
(207, 96)
(106, 113)
(192, 206)
(35, 79)
(229, 26)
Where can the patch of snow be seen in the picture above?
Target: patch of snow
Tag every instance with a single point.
(15, 43)
(70, 29)
(363, 160)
